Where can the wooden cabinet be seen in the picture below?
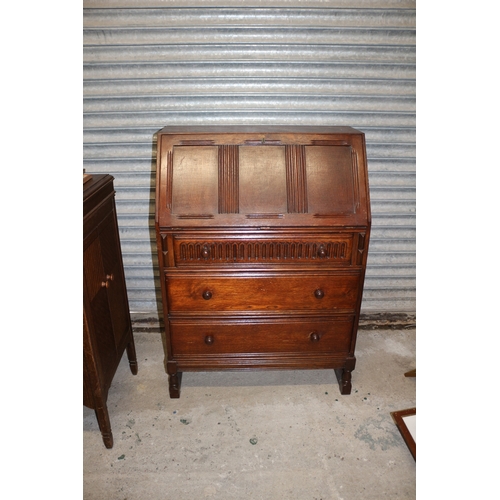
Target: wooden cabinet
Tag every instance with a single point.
(107, 329)
(262, 238)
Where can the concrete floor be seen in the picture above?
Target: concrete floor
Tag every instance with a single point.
(256, 435)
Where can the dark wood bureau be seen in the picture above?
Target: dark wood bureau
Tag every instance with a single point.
(107, 329)
(262, 238)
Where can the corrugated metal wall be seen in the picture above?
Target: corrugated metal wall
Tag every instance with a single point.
(291, 62)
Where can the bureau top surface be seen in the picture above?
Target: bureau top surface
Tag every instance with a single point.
(254, 129)
(273, 176)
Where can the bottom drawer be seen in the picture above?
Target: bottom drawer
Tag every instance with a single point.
(260, 336)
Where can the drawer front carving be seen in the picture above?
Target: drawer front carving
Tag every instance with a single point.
(261, 292)
(334, 251)
(226, 337)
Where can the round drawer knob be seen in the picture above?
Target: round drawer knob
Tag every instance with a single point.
(322, 252)
(319, 294)
(207, 294)
(106, 284)
(209, 339)
(205, 252)
(314, 336)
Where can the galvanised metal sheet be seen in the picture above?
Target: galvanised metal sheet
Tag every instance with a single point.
(153, 63)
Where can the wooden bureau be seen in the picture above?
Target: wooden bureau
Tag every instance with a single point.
(262, 238)
(107, 329)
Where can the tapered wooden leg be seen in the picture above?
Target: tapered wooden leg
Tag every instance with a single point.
(344, 376)
(174, 385)
(174, 380)
(132, 356)
(104, 425)
(344, 379)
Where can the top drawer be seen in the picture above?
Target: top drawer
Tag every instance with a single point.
(199, 251)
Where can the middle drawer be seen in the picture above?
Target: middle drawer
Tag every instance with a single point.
(263, 292)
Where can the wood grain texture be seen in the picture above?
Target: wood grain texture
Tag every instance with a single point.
(262, 177)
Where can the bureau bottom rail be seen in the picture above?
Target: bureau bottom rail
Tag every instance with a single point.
(342, 368)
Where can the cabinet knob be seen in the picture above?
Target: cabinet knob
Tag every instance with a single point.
(209, 339)
(207, 294)
(319, 294)
(314, 336)
(106, 284)
(322, 251)
(205, 252)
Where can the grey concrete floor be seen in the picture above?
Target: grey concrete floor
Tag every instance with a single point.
(256, 435)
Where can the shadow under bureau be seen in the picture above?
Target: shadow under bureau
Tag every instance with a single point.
(262, 236)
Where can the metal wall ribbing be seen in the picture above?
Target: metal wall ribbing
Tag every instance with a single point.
(292, 62)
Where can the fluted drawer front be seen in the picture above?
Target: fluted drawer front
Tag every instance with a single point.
(265, 336)
(263, 292)
(223, 251)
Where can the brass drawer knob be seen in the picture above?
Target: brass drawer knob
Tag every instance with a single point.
(205, 252)
(314, 336)
(319, 294)
(207, 294)
(209, 339)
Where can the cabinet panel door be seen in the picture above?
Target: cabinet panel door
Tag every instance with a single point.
(117, 299)
(102, 327)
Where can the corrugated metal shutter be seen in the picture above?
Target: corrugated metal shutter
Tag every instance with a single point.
(315, 63)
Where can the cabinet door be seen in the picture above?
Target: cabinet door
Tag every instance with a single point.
(101, 337)
(104, 281)
(113, 268)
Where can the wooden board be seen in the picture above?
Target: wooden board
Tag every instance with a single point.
(405, 421)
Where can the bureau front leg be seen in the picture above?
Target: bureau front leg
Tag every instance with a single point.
(344, 376)
(174, 380)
